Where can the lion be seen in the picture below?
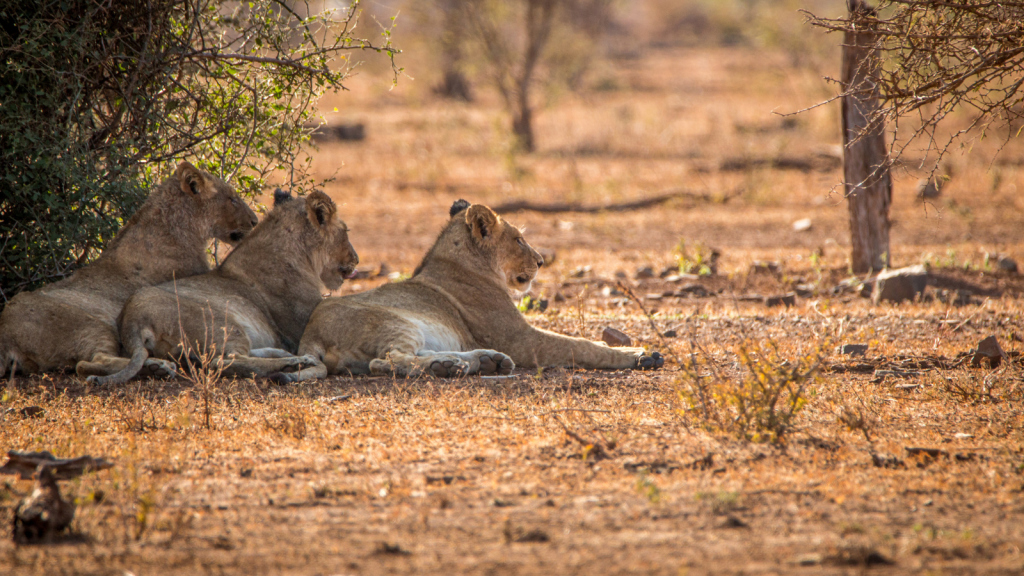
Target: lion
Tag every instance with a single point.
(73, 323)
(454, 316)
(246, 316)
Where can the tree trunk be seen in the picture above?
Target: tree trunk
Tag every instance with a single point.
(868, 186)
(454, 84)
(522, 124)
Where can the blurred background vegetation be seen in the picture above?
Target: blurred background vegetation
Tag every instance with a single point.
(98, 100)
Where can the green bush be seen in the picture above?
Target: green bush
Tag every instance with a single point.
(99, 99)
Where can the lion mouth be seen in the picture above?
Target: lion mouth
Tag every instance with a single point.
(236, 236)
(522, 278)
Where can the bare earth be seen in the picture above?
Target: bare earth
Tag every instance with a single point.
(595, 472)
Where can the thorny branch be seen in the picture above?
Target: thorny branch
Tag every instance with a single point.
(938, 58)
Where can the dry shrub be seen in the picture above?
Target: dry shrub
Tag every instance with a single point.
(136, 412)
(762, 402)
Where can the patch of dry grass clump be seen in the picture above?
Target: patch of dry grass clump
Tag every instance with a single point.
(759, 399)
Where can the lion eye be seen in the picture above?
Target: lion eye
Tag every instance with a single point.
(521, 241)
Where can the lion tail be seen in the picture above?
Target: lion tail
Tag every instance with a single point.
(136, 344)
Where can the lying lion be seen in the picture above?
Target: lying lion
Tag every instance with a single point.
(454, 316)
(73, 323)
(249, 313)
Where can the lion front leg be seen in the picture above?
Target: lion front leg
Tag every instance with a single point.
(543, 348)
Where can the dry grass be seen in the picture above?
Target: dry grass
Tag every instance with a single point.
(563, 471)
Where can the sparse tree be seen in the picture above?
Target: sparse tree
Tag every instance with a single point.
(909, 64)
(514, 38)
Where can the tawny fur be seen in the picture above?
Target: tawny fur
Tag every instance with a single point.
(73, 323)
(249, 313)
(454, 316)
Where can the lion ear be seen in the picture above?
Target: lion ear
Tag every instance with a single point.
(482, 222)
(191, 179)
(281, 196)
(320, 209)
(457, 207)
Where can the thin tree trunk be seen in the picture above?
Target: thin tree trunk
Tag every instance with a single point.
(522, 122)
(454, 84)
(868, 186)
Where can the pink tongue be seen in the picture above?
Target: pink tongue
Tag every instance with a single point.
(352, 274)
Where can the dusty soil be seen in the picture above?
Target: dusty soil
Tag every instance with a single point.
(567, 471)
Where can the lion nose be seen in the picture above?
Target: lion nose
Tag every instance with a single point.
(540, 262)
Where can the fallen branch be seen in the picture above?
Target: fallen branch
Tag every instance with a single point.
(25, 464)
(554, 208)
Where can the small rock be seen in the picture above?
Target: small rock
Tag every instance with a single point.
(765, 267)
(853, 349)
(695, 289)
(956, 297)
(1007, 264)
(963, 436)
(654, 296)
(901, 284)
(609, 291)
(387, 548)
(621, 275)
(733, 522)
(988, 349)
(809, 559)
(644, 273)
(854, 285)
(32, 412)
(580, 272)
(680, 277)
(788, 300)
(929, 188)
(613, 337)
(802, 225)
(670, 334)
(384, 270)
(804, 290)
(668, 271)
(559, 297)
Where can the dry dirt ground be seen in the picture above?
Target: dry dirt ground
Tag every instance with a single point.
(905, 460)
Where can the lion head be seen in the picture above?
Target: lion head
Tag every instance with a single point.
(325, 237)
(503, 243)
(231, 217)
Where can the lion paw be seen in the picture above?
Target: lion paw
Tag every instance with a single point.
(93, 380)
(307, 361)
(495, 363)
(296, 363)
(652, 362)
(448, 368)
(156, 368)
